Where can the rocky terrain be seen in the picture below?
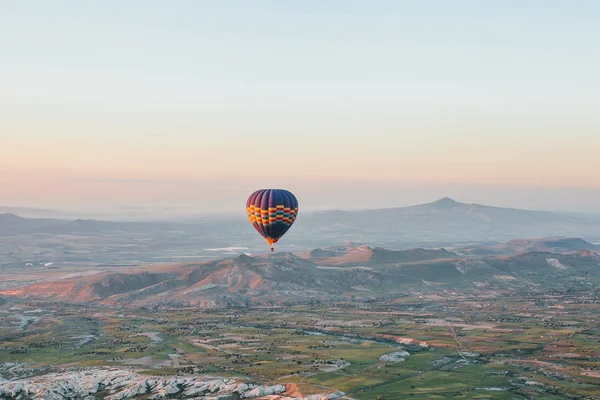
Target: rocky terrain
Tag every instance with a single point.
(351, 255)
(528, 331)
(360, 272)
(118, 384)
(516, 246)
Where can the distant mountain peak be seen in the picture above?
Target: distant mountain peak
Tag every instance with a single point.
(243, 258)
(11, 217)
(445, 202)
(285, 255)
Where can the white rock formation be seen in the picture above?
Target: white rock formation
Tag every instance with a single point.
(264, 391)
(126, 384)
(396, 356)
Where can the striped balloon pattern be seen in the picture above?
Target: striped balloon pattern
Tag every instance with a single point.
(272, 212)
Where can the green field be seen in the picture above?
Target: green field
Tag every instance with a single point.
(325, 349)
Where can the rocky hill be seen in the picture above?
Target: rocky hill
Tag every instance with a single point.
(118, 384)
(375, 256)
(285, 278)
(552, 245)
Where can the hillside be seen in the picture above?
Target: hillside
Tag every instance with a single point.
(374, 256)
(284, 278)
(446, 220)
(446, 213)
(33, 212)
(443, 224)
(517, 246)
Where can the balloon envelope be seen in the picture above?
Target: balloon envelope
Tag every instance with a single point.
(272, 212)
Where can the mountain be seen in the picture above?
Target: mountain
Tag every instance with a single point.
(273, 277)
(443, 223)
(374, 256)
(32, 212)
(11, 224)
(555, 245)
(447, 221)
(542, 268)
(516, 246)
(285, 278)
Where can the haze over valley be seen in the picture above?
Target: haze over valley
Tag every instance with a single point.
(441, 223)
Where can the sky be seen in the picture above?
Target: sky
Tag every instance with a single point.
(349, 104)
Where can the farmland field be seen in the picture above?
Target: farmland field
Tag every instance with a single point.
(448, 348)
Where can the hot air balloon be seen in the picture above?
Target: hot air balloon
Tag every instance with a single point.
(272, 212)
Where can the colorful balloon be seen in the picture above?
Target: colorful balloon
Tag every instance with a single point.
(272, 212)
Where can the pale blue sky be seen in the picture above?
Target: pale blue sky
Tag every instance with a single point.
(390, 94)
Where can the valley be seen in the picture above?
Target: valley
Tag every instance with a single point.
(526, 345)
(354, 322)
(358, 309)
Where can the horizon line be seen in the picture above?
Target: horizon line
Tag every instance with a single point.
(118, 212)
